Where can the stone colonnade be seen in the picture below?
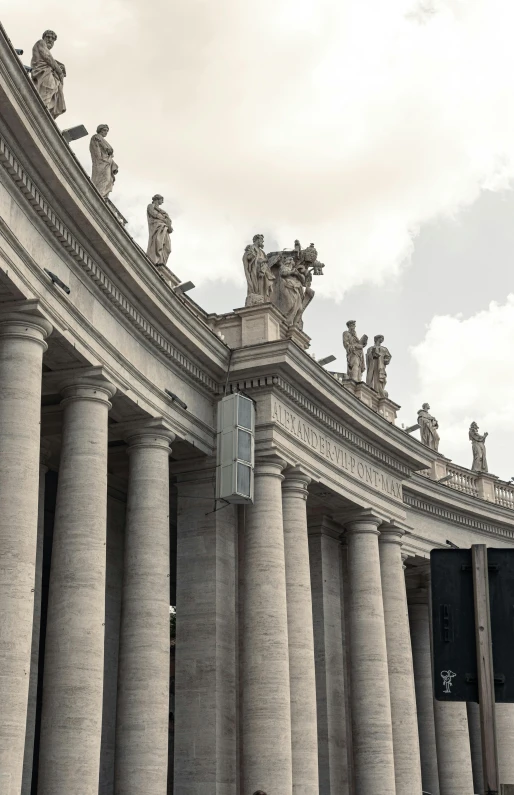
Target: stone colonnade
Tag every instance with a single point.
(72, 704)
(301, 666)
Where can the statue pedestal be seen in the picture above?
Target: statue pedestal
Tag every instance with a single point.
(165, 274)
(387, 408)
(485, 486)
(253, 325)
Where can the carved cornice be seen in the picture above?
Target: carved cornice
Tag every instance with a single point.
(321, 417)
(455, 516)
(91, 268)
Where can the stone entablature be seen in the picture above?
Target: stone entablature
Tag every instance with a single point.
(327, 446)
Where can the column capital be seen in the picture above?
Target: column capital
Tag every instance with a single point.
(25, 325)
(362, 521)
(295, 482)
(390, 533)
(90, 384)
(153, 432)
(269, 465)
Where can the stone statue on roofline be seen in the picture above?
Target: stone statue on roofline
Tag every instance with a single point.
(259, 278)
(377, 359)
(478, 447)
(104, 168)
(48, 74)
(159, 231)
(354, 347)
(283, 278)
(428, 426)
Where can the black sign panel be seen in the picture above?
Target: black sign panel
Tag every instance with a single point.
(501, 597)
(453, 624)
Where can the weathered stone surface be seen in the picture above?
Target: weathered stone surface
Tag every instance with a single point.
(21, 353)
(428, 427)
(478, 447)
(377, 359)
(48, 74)
(159, 230)
(266, 705)
(71, 723)
(304, 739)
(143, 681)
(371, 704)
(354, 347)
(104, 168)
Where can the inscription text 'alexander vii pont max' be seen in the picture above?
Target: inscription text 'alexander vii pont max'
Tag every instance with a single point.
(332, 450)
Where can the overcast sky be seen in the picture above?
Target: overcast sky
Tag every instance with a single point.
(381, 131)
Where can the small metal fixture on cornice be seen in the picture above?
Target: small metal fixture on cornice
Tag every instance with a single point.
(74, 133)
(175, 398)
(327, 360)
(20, 52)
(446, 479)
(411, 428)
(184, 287)
(55, 280)
(452, 545)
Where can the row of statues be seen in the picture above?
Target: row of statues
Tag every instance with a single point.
(428, 427)
(282, 278)
(375, 362)
(48, 77)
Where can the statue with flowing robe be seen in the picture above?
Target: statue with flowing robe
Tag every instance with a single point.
(48, 74)
(478, 447)
(428, 426)
(293, 286)
(159, 231)
(354, 348)
(104, 168)
(259, 278)
(377, 359)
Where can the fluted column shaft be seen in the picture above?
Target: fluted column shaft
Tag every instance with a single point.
(475, 741)
(71, 723)
(36, 627)
(505, 738)
(422, 661)
(407, 765)
(453, 748)
(300, 634)
(141, 760)
(325, 561)
(371, 706)
(21, 356)
(266, 704)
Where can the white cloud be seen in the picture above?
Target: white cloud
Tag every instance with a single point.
(346, 123)
(465, 373)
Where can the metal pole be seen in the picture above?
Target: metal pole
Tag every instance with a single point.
(486, 695)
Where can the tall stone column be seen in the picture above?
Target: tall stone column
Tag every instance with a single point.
(71, 721)
(422, 662)
(453, 748)
(36, 626)
(407, 766)
(325, 562)
(141, 760)
(505, 739)
(206, 650)
(267, 761)
(22, 345)
(371, 704)
(475, 741)
(302, 677)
